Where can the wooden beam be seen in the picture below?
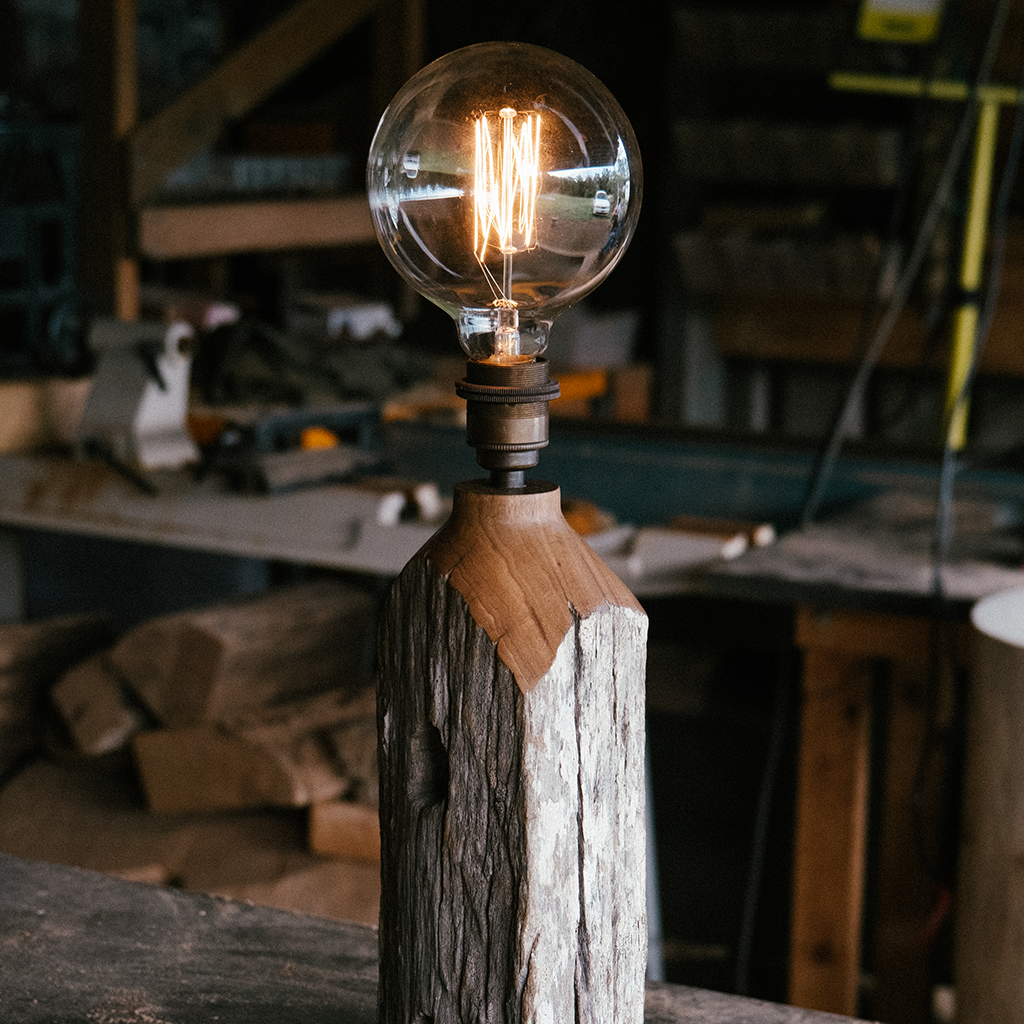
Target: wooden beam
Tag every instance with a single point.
(107, 267)
(251, 74)
(832, 805)
(902, 638)
(181, 232)
(840, 648)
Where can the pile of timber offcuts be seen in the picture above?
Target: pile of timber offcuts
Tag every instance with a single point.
(229, 749)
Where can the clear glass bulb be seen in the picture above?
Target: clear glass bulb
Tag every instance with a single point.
(504, 182)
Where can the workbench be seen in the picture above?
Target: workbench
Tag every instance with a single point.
(868, 611)
(82, 947)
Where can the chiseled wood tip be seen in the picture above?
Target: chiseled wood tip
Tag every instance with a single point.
(523, 572)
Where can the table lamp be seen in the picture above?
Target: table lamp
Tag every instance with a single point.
(504, 182)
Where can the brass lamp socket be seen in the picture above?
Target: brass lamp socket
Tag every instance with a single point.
(507, 413)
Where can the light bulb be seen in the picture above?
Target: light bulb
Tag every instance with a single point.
(504, 183)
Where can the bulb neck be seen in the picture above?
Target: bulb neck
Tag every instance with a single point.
(507, 416)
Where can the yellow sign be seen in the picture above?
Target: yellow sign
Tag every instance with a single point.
(899, 21)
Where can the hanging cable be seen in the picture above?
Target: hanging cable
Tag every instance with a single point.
(825, 464)
(944, 523)
(759, 851)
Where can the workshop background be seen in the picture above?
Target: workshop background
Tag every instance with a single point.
(779, 212)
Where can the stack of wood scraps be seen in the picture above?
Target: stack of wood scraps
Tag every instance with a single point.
(254, 703)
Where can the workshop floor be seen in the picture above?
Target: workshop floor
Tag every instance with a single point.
(84, 816)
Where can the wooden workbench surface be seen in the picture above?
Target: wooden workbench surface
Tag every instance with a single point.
(80, 948)
(877, 555)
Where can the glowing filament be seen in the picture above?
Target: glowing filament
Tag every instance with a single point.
(506, 182)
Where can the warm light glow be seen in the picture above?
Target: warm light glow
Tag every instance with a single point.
(505, 185)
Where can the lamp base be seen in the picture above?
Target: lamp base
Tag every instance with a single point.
(510, 715)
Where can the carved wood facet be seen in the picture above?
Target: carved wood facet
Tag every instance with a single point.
(512, 818)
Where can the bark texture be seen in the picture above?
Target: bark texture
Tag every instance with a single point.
(512, 818)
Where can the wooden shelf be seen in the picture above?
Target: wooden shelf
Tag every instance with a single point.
(125, 161)
(214, 229)
(815, 330)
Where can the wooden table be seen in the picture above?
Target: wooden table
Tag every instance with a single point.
(81, 948)
(866, 611)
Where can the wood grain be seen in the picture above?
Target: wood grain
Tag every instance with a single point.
(832, 804)
(523, 572)
(511, 727)
(212, 665)
(79, 946)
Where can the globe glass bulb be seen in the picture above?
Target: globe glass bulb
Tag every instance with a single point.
(504, 182)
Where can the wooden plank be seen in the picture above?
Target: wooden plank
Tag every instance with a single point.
(108, 271)
(91, 948)
(250, 75)
(829, 856)
(907, 896)
(84, 947)
(902, 638)
(337, 526)
(181, 232)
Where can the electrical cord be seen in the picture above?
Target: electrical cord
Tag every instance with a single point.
(825, 464)
(759, 852)
(889, 252)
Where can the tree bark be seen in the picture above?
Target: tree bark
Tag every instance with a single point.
(511, 740)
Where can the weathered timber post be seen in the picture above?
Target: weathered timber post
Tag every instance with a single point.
(511, 732)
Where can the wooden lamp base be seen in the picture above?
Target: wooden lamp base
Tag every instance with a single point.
(511, 743)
